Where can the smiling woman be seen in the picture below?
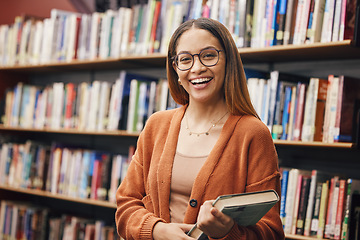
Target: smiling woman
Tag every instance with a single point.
(213, 145)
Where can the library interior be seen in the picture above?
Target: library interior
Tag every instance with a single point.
(80, 78)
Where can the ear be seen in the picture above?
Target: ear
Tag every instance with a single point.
(174, 66)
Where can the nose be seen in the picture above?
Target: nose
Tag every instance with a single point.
(197, 66)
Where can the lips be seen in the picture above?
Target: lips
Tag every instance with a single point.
(200, 81)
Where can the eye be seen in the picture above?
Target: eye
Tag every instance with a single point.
(209, 54)
(184, 58)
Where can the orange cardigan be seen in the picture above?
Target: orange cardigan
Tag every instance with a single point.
(244, 159)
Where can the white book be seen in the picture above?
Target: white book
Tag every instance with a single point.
(38, 42)
(115, 105)
(336, 24)
(41, 111)
(55, 170)
(84, 32)
(94, 35)
(330, 109)
(74, 25)
(30, 109)
(84, 105)
(314, 33)
(18, 92)
(252, 84)
(214, 10)
(127, 14)
(25, 37)
(326, 31)
(152, 96)
(141, 108)
(308, 129)
(3, 161)
(164, 95)
(65, 161)
(105, 34)
(103, 106)
(94, 106)
(57, 107)
(132, 104)
(116, 33)
(290, 200)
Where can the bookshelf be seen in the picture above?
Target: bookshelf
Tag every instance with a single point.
(323, 156)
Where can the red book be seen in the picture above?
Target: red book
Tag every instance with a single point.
(340, 209)
(154, 25)
(70, 101)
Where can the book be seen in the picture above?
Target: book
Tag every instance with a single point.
(353, 187)
(316, 179)
(315, 215)
(346, 112)
(323, 207)
(245, 208)
(314, 110)
(303, 204)
(340, 209)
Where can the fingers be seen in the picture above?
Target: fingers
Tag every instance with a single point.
(185, 227)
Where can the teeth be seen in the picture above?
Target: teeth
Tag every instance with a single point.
(200, 80)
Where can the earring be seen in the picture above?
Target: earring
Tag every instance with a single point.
(179, 82)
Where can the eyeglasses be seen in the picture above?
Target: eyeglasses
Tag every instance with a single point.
(208, 57)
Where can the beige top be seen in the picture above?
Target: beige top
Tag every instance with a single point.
(185, 170)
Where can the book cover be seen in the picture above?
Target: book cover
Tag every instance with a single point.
(346, 113)
(284, 187)
(323, 208)
(303, 204)
(353, 187)
(340, 209)
(245, 208)
(314, 224)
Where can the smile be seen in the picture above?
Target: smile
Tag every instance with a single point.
(200, 81)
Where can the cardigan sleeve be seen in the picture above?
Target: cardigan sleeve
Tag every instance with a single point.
(134, 217)
(262, 174)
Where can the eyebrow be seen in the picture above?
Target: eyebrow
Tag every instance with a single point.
(208, 47)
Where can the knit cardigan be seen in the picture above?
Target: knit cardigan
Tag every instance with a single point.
(243, 159)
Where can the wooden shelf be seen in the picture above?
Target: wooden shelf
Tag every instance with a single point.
(46, 194)
(314, 144)
(122, 133)
(306, 52)
(300, 237)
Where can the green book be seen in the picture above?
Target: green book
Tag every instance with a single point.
(245, 208)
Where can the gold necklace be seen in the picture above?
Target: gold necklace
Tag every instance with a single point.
(206, 132)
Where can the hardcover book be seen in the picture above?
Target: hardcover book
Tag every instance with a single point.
(245, 208)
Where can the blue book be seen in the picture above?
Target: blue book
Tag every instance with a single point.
(284, 183)
(286, 113)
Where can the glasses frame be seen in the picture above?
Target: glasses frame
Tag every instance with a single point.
(193, 59)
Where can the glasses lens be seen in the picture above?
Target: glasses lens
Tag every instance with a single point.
(184, 61)
(209, 57)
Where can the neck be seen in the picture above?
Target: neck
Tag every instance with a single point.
(200, 120)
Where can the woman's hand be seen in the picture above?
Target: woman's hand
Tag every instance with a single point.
(213, 222)
(164, 231)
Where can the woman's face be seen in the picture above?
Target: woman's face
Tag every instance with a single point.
(203, 83)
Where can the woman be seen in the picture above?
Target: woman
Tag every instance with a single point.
(213, 145)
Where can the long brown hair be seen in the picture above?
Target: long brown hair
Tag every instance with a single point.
(235, 88)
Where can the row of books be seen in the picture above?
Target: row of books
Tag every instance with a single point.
(101, 105)
(317, 204)
(74, 172)
(20, 220)
(307, 109)
(146, 26)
